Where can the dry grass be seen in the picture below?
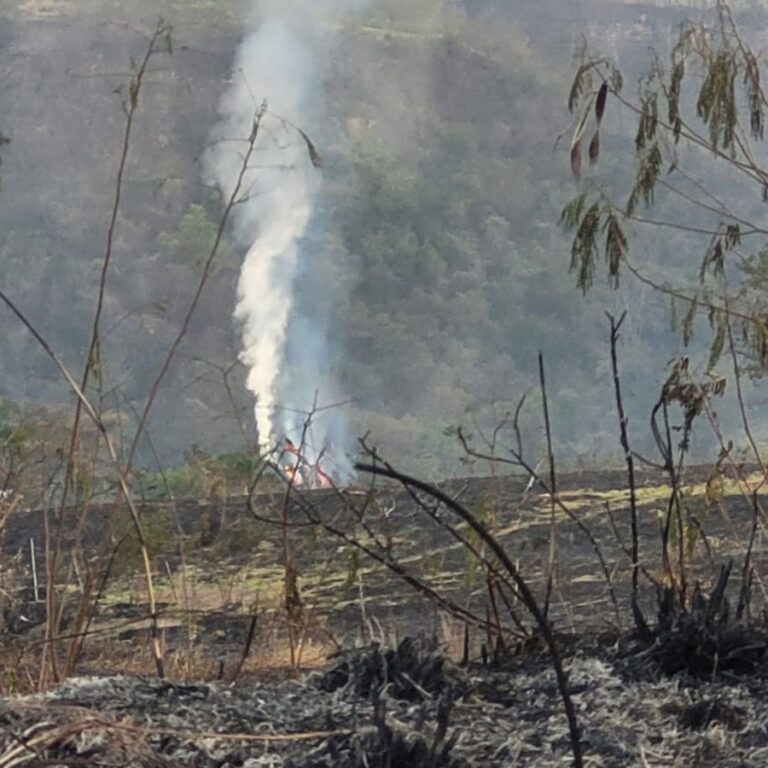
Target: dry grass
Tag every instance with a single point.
(204, 658)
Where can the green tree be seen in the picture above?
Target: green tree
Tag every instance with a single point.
(193, 237)
(699, 182)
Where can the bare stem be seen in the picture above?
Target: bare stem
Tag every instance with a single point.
(205, 274)
(122, 480)
(522, 587)
(640, 622)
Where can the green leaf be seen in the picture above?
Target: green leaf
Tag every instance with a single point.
(615, 247)
(754, 95)
(690, 316)
(649, 120)
(582, 82)
(673, 98)
(732, 236)
(645, 181)
(584, 249)
(718, 342)
(760, 338)
(713, 259)
(572, 212)
(617, 80)
(716, 104)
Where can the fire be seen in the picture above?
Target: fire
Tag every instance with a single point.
(304, 472)
(292, 474)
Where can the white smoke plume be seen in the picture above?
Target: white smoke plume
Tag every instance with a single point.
(279, 64)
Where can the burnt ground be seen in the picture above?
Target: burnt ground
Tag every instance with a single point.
(458, 718)
(231, 568)
(231, 563)
(222, 537)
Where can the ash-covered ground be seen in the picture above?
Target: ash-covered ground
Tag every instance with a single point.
(405, 708)
(693, 692)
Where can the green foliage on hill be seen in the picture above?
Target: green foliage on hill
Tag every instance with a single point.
(444, 269)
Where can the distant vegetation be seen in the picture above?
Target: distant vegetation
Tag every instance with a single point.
(462, 324)
(437, 241)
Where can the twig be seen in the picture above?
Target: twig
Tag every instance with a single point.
(522, 587)
(552, 486)
(192, 307)
(517, 460)
(92, 361)
(247, 647)
(640, 622)
(122, 480)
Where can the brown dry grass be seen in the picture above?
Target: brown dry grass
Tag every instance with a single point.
(107, 653)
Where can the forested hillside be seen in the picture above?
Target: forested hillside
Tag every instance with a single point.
(437, 263)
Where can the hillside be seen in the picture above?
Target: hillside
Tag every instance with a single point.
(434, 261)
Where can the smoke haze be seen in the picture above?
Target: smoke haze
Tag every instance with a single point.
(419, 273)
(278, 63)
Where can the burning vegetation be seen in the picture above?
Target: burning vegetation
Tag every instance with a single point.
(303, 472)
